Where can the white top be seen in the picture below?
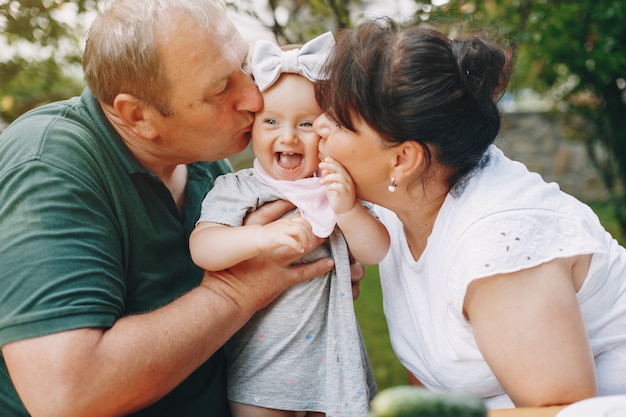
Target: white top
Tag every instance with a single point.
(506, 219)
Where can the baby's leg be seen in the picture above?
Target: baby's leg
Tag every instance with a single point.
(248, 410)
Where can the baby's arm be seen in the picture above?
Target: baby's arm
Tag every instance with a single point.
(215, 246)
(367, 238)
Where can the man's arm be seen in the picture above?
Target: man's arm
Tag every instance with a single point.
(98, 372)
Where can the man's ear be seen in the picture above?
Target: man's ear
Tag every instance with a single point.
(409, 159)
(136, 115)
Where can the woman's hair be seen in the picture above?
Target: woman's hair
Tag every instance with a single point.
(122, 46)
(416, 84)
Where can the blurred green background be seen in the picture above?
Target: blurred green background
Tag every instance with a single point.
(388, 372)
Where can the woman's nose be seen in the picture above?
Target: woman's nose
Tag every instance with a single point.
(321, 125)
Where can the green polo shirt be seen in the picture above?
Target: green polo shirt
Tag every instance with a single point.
(87, 236)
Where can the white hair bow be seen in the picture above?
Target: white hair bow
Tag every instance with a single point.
(269, 61)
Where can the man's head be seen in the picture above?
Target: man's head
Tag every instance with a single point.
(122, 46)
(174, 72)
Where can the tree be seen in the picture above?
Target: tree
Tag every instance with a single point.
(573, 52)
(297, 21)
(28, 81)
(37, 28)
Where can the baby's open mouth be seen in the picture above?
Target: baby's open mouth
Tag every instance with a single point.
(288, 160)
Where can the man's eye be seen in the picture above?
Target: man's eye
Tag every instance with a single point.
(218, 91)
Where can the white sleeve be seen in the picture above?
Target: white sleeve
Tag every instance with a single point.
(513, 240)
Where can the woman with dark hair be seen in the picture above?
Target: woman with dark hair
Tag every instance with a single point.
(496, 283)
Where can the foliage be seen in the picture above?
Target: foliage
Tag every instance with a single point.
(388, 371)
(37, 21)
(297, 21)
(27, 84)
(575, 54)
(37, 28)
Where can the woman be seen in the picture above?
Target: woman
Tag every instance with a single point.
(496, 283)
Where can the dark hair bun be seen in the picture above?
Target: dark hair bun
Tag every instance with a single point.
(483, 68)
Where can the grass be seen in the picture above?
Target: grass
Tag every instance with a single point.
(369, 310)
(608, 220)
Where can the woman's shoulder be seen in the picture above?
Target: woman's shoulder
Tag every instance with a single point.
(503, 184)
(509, 218)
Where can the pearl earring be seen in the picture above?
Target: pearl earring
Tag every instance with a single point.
(392, 187)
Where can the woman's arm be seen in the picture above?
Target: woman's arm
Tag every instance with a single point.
(530, 330)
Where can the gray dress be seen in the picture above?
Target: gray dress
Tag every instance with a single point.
(304, 352)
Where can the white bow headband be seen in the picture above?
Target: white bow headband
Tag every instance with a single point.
(269, 61)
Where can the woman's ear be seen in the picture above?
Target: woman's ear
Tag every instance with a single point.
(409, 158)
(136, 115)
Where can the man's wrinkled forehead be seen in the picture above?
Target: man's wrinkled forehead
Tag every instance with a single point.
(223, 45)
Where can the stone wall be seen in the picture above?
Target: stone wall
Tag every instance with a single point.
(537, 140)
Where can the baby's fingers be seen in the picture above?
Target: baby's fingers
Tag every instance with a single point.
(300, 233)
(292, 231)
(332, 166)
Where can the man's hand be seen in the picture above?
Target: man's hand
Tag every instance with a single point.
(268, 212)
(275, 209)
(291, 231)
(357, 273)
(255, 283)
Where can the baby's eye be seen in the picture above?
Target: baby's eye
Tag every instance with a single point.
(271, 122)
(306, 124)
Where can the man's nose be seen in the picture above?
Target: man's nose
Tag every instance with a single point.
(250, 98)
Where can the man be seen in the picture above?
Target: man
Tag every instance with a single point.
(102, 312)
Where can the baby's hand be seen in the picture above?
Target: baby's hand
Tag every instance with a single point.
(291, 231)
(339, 186)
